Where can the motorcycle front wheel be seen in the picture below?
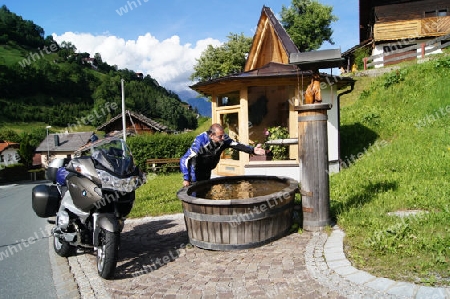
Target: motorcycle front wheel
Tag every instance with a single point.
(107, 253)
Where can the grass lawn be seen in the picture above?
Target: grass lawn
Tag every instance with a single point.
(396, 144)
(11, 55)
(158, 196)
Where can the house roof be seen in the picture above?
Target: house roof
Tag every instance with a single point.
(147, 121)
(352, 50)
(64, 142)
(4, 145)
(271, 43)
(265, 76)
(317, 59)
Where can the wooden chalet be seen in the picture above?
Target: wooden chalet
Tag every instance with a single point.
(265, 95)
(388, 20)
(391, 25)
(136, 124)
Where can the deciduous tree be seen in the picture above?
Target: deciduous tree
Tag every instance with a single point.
(308, 23)
(220, 61)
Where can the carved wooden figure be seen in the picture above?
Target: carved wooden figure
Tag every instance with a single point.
(312, 93)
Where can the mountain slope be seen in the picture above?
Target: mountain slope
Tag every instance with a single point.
(203, 105)
(41, 81)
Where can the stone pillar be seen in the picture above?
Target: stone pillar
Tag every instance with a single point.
(313, 154)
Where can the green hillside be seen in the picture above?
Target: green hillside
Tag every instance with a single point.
(42, 81)
(395, 145)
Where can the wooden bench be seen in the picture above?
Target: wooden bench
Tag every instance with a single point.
(155, 164)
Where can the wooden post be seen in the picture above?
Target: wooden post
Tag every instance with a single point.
(313, 154)
(365, 59)
(422, 46)
(243, 127)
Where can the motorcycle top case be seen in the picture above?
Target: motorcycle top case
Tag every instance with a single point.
(52, 169)
(45, 200)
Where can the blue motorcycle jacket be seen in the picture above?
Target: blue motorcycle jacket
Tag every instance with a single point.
(204, 155)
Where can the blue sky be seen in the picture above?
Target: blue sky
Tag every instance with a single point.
(163, 38)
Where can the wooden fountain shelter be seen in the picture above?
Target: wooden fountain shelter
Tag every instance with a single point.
(265, 95)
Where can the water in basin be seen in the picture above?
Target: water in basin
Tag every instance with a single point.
(242, 189)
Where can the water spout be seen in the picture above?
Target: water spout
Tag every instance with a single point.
(287, 141)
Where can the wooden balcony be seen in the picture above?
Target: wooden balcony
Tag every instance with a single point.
(426, 27)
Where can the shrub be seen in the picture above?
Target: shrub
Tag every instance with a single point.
(359, 55)
(279, 152)
(158, 146)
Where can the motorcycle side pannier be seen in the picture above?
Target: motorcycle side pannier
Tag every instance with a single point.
(45, 200)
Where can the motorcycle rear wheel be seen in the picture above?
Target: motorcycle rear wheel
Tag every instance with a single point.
(107, 253)
(63, 248)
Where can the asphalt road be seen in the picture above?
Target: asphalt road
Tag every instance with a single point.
(25, 269)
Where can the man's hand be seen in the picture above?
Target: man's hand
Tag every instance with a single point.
(258, 150)
(186, 183)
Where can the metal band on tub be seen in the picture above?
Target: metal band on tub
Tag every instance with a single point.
(316, 117)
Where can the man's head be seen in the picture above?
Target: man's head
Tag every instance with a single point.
(216, 133)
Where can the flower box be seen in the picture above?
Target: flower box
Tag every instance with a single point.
(260, 158)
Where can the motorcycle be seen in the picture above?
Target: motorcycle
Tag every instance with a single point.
(90, 196)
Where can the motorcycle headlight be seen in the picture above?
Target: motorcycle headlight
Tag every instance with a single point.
(111, 182)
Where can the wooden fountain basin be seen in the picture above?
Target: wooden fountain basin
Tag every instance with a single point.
(238, 212)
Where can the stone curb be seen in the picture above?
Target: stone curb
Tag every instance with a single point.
(333, 252)
(65, 284)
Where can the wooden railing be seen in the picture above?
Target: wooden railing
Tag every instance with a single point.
(433, 26)
(407, 52)
(155, 164)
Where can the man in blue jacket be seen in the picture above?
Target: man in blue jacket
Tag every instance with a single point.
(204, 154)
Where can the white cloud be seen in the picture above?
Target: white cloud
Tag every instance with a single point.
(168, 61)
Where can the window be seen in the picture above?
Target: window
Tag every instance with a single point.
(436, 13)
(430, 13)
(229, 99)
(442, 13)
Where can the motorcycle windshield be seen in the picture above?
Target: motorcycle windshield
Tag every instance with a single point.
(115, 156)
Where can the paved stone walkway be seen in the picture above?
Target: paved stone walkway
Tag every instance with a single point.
(156, 261)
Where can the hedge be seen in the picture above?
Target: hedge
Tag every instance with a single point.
(158, 146)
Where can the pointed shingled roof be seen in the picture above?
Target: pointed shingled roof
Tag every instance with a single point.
(269, 58)
(149, 122)
(271, 43)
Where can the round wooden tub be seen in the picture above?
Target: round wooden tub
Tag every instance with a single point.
(238, 212)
